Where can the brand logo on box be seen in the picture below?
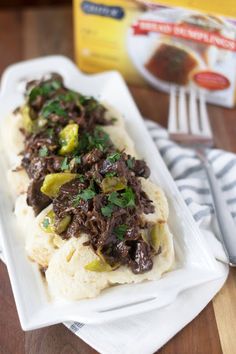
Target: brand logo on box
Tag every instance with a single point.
(91, 8)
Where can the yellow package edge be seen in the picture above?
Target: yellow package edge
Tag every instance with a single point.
(228, 8)
(216, 7)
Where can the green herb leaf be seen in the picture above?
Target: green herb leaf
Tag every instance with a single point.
(77, 159)
(81, 178)
(65, 164)
(82, 99)
(123, 200)
(114, 157)
(130, 163)
(86, 194)
(113, 119)
(43, 151)
(83, 143)
(69, 96)
(34, 93)
(129, 198)
(50, 133)
(111, 174)
(53, 107)
(99, 139)
(46, 223)
(92, 105)
(120, 231)
(44, 89)
(116, 198)
(107, 210)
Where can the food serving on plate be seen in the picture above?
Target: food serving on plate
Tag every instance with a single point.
(90, 216)
(171, 63)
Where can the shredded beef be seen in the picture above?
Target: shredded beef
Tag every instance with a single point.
(111, 219)
(141, 169)
(39, 167)
(36, 198)
(141, 257)
(92, 157)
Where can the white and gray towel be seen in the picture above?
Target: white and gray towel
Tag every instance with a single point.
(145, 333)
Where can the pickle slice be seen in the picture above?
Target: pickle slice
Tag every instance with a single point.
(53, 182)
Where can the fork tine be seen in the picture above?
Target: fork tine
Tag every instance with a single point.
(204, 118)
(193, 108)
(172, 118)
(182, 112)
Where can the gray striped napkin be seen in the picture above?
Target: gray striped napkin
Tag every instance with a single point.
(189, 175)
(139, 335)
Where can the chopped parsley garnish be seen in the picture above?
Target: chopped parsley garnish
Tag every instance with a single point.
(83, 143)
(130, 163)
(53, 107)
(65, 164)
(82, 99)
(120, 231)
(113, 119)
(34, 93)
(43, 151)
(125, 199)
(107, 210)
(69, 96)
(114, 157)
(44, 89)
(86, 194)
(111, 174)
(99, 139)
(46, 223)
(92, 105)
(50, 133)
(88, 102)
(77, 159)
(81, 178)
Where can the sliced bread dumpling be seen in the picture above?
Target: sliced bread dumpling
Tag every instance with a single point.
(120, 139)
(18, 180)
(67, 278)
(114, 115)
(12, 143)
(157, 195)
(39, 245)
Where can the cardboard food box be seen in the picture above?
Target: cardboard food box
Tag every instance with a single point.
(161, 44)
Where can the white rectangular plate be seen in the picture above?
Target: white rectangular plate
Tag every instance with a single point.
(194, 261)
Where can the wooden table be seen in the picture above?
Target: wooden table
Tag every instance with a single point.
(30, 33)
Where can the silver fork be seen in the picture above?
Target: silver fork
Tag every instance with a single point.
(188, 124)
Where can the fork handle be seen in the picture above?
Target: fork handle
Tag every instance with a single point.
(225, 219)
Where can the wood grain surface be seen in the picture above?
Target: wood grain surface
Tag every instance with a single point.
(30, 33)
